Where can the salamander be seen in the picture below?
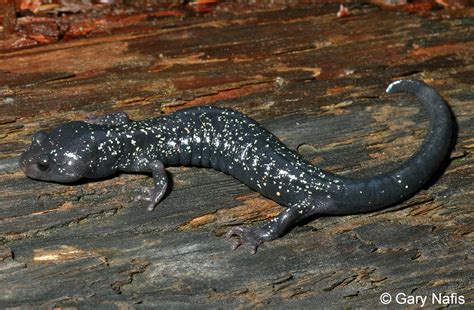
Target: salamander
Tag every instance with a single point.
(233, 143)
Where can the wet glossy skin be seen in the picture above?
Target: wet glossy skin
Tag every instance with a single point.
(229, 141)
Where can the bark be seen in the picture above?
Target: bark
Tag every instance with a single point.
(316, 81)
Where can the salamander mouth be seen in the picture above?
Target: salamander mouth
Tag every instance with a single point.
(33, 171)
(37, 171)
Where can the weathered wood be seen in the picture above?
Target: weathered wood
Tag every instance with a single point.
(313, 79)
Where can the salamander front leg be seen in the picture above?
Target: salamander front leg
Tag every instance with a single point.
(271, 230)
(160, 179)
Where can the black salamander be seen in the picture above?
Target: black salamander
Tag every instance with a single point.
(233, 143)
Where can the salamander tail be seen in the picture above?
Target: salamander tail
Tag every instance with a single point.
(389, 188)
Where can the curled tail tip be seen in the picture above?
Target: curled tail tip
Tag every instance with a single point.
(410, 86)
(390, 88)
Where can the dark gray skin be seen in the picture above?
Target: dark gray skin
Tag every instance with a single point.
(231, 142)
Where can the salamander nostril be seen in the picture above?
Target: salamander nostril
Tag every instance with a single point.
(22, 166)
(23, 162)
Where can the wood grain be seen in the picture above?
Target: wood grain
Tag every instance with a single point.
(317, 82)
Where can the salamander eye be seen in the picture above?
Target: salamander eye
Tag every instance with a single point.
(43, 163)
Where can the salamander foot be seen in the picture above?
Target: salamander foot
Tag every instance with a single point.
(145, 194)
(252, 236)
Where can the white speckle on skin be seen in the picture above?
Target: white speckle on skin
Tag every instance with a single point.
(71, 155)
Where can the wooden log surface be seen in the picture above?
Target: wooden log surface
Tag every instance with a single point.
(317, 82)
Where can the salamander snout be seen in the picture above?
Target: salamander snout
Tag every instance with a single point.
(50, 165)
(35, 167)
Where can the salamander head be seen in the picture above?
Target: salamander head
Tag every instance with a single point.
(66, 154)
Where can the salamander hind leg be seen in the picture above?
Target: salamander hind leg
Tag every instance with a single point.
(160, 178)
(271, 229)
